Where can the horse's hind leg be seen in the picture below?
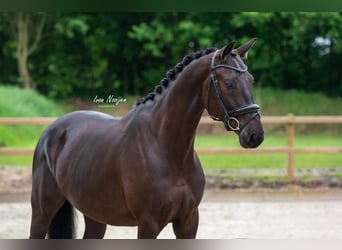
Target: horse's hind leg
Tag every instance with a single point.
(45, 201)
(93, 229)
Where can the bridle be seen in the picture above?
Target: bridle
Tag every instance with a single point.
(230, 120)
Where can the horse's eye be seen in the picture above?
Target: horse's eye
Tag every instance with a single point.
(229, 84)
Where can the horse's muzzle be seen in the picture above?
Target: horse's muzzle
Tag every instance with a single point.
(251, 138)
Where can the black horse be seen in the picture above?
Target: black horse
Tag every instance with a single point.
(142, 170)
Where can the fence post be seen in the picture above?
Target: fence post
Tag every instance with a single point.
(290, 145)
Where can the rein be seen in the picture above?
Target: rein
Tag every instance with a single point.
(230, 120)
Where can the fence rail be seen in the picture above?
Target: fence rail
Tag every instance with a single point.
(289, 149)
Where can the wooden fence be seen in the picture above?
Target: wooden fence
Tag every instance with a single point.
(290, 121)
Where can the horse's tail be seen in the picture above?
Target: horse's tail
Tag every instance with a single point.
(63, 224)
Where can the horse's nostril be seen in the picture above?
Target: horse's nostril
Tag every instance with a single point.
(256, 139)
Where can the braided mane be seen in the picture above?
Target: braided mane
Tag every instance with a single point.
(173, 73)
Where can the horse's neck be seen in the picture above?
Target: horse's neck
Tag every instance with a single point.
(177, 114)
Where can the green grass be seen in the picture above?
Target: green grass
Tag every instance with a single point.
(283, 102)
(18, 160)
(15, 102)
(232, 141)
(240, 161)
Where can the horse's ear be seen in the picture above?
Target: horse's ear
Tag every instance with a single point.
(243, 49)
(227, 50)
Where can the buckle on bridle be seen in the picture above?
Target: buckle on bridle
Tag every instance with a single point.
(232, 123)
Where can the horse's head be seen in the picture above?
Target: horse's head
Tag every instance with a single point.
(228, 94)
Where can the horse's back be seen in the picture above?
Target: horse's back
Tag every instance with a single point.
(72, 130)
(83, 116)
(73, 122)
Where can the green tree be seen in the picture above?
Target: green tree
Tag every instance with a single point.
(82, 54)
(89, 54)
(289, 54)
(167, 37)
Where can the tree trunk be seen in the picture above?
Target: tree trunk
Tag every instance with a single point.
(23, 50)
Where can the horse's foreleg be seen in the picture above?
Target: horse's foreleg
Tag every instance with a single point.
(93, 229)
(148, 228)
(186, 227)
